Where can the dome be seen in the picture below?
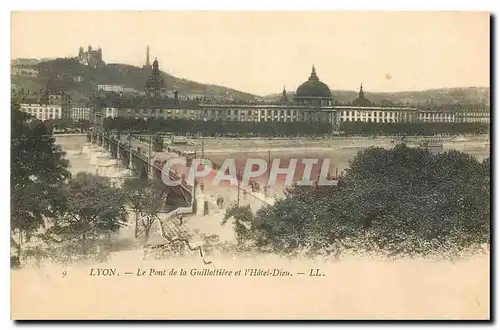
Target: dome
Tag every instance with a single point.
(313, 88)
(361, 101)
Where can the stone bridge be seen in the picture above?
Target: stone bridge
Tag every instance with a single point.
(139, 155)
(139, 162)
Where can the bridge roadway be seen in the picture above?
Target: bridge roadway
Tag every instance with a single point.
(210, 191)
(102, 139)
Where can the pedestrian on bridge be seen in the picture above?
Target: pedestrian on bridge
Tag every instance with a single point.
(180, 216)
(220, 202)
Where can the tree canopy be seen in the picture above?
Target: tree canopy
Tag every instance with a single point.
(92, 207)
(147, 198)
(38, 171)
(402, 200)
(296, 128)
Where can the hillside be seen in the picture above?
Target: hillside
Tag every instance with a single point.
(81, 81)
(467, 95)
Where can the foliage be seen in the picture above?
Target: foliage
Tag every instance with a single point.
(147, 198)
(93, 207)
(218, 128)
(38, 173)
(403, 200)
(243, 220)
(297, 128)
(63, 124)
(59, 73)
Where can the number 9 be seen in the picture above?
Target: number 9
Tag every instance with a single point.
(64, 273)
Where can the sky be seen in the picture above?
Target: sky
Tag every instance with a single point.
(260, 52)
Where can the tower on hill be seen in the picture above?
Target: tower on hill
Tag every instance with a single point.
(148, 64)
(155, 84)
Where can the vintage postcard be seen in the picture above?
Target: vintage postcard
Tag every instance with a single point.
(250, 165)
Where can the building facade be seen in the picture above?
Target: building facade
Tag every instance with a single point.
(80, 111)
(312, 102)
(110, 88)
(24, 70)
(474, 115)
(48, 106)
(43, 111)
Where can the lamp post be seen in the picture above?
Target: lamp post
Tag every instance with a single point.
(203, 142)
(237, 174)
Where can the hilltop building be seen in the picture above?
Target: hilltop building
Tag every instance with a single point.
(91, 58)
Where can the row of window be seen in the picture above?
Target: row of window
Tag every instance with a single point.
(43, 116)
(282, 112)
(369, 120)
(35, 110)
(374, 113)
(206, 113)
(447, 115)
(232, 114)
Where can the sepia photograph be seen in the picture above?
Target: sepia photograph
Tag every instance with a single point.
(250, 165)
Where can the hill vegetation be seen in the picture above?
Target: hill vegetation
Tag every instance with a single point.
(65, 72)
(81, 81)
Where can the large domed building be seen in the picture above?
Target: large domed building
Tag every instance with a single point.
(312, 102)
(313, 91)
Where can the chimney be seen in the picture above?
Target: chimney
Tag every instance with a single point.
(176, 95)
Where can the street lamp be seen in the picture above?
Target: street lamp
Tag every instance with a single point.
(203, 142)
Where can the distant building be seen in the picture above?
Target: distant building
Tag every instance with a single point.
(24, 61)
(361, 101)
(47, 106)
(91, 58)
(110, 88)
(474, 115)
(312, 102)
(130, 90)
(43, 111)
(80, 111)
(437, 116)
(24, 70)
(155, 84)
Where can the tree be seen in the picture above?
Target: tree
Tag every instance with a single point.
(243, 218)
(400, 201)
(38, 173)
(147, 198)
(93, 207)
